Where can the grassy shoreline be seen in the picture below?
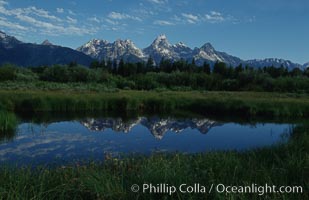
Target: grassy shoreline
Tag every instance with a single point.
(8, 124)
(284, 164)
(280, 165)
(221, 103)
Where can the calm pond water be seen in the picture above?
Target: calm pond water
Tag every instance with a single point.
(95, 139)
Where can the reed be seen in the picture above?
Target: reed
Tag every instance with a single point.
(216, 103)
(8, 124)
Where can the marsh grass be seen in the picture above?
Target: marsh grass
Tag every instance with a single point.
(284, 164)
(8, 125)
(216, 103)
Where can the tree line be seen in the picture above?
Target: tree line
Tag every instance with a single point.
(178, 75)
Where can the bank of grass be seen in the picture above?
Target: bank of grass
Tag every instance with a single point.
(8, 124)
(281, 165)
(53, 86)
(236, 103)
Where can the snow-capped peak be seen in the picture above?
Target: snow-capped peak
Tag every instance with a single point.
(180, 44)
(126, 46)
(93, 47)
(96, 42)
(276, 62)
(2, 35)
(162, 37)
(102, 49)
(161, 48)
(161, 40)
(208, 52)
(124, 43)
(8, 41)
(207, 47)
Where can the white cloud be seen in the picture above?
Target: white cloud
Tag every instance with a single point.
(54, 29)
(145, 12)
(36, 22)
(42, 13)
(2, 2)
(111, 22)
(94, 19)
(6, 23)
(71, 12)
(3, 10)
(192, 19)
(28, 11)
(41, 21)
(215, 17)
(71, 20)
(158, 1)
(60, 10)
(163, 23)
(122, 16)
(210, 17)
(176, 18)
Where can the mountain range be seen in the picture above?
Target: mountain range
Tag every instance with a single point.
(162, 48)
(29, 54)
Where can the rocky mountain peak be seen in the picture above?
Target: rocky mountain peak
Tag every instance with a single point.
(46, 42)
(8, 41)
(180, 44)
(102, 49)
(96, 42)
(161, 41)
(2, 35)
(208, 47)
(93, 48)
(126, 50)
(161, 48)
(124, 43)
(161, 37)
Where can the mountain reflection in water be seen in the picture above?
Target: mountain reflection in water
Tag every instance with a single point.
(158, 127)
(60, 142)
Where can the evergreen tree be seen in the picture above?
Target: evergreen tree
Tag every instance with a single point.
(114, 70)
(206, 68)
(140, 68)
(179, 65)
(306, 72)
(94, 64)
(166, 65)
(102, 64)
(121, 67)
(192, 66)
(150, 64)
(296, 72)
(220, 68)
(239, 68)
(109, 65)
(73, 64)
(193, 62)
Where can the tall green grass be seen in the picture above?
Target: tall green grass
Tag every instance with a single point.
(8, 124)
(282, 165)
(220, 103)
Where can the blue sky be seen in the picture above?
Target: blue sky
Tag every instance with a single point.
(244, 28)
